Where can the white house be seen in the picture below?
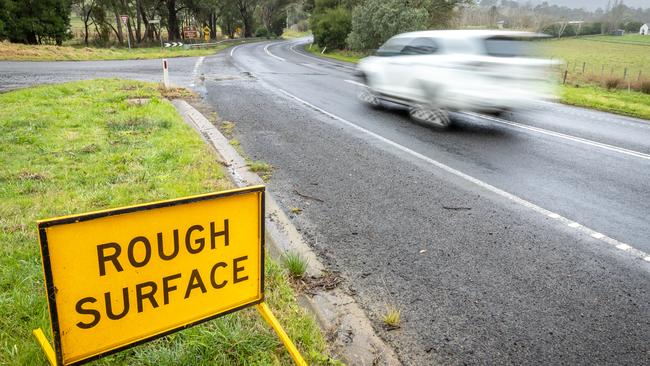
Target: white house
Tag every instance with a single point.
(644, 30)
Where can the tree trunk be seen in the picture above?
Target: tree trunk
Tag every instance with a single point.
(172, 21)
(120, 36)
(138, 28)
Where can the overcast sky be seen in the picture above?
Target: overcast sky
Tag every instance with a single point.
(590, 4)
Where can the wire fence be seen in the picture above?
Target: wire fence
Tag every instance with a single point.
(606, 75)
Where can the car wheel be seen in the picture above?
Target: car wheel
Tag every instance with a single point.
(369, 97)
(432, 116)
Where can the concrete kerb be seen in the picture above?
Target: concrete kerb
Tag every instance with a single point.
(338, 313)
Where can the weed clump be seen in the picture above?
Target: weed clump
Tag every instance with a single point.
(612, 82)
(392, 317)
(645, 87)
(295, 264)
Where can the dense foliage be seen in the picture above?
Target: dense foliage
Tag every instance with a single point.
(34, 21)
(375, 21)
(331, 26)
(48, 21)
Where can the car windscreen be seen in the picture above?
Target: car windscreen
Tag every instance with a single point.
(507, 47)
(393, 47)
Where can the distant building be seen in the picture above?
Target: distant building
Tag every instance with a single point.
(644, 31)
(618, 32)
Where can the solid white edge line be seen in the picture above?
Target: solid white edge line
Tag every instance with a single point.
(594, 234)
(232, 51)
(266, 49)
(354, 82)
(563, 136)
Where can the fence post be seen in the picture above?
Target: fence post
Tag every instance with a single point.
(565, 74)
(639, 77)
(625, 74)
(583, 67)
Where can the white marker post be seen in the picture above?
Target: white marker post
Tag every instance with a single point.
(165, 73)
(125, 20)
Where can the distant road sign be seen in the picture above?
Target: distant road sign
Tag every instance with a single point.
(154, 21)
(190, 32)
(124, 276)
(125, 18)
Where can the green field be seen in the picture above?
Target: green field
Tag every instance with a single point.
(606, 55)
(90, 145)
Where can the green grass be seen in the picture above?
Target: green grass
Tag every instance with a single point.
(633, 104)
(341, 55)
(628, 38)
(260, 167)
(84, 146)
(22, 52)
(295, 264)
(289, 34)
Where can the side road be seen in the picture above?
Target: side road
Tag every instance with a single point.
(337, 312)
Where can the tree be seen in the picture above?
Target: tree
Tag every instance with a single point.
(246, 9)
(330, 27)
(273, 16)
(442, 13)
(4, 15)
(36, 21)
(229, 17)
(84, 9)
(375, 21)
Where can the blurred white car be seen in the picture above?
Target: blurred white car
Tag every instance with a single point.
(433, 72)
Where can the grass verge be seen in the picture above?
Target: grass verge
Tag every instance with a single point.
(341, 55)
(290, 34)
(89, 145)
(22, 52)
(634, 104)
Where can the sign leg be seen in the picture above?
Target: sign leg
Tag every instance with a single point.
(288, 344)
(45, 345)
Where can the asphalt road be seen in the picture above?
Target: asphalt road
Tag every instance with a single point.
(486, 236)
(480, 277)
(14, 75)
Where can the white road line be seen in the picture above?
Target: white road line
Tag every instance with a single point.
(354, 82)
(563, 136)
(195, 72)
(232, 51)
(585, 230)
(266, 49)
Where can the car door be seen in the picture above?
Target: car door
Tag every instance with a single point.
(407, 70)
(382, 73)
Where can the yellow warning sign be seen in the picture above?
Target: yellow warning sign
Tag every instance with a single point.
(119, 277)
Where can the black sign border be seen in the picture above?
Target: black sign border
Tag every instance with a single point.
(51, 289)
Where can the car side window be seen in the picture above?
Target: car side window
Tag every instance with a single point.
(421, 46)
(394, 47)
